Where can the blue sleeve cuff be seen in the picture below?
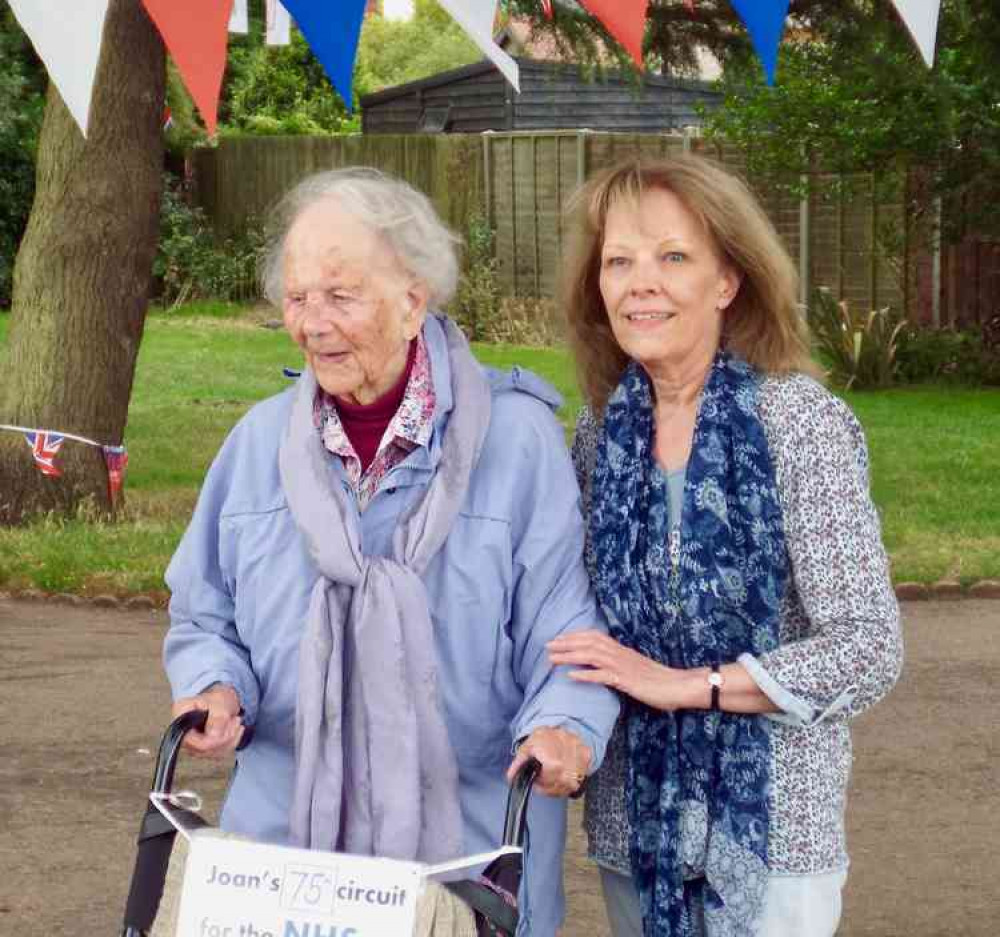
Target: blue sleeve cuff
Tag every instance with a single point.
(595, 741)
(248, 694)
(795, 710)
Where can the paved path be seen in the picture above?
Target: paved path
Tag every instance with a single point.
(82, 701)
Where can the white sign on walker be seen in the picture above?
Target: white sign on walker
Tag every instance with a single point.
(237, 888)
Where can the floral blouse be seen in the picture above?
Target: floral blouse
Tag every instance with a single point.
(841, 644)
(409, 428)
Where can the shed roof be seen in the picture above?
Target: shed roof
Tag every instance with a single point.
(485, 67)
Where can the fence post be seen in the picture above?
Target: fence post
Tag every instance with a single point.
(873, 271)
(936, 266)
(487, 179)
(581, 157)
(513, 213)
(805, 244)
(534, 214)
(841, 221)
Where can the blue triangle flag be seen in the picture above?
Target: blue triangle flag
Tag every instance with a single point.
(765, 21)
(332, 29)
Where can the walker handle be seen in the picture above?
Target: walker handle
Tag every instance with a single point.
(170, 746)
(517, 803)
(156, 836)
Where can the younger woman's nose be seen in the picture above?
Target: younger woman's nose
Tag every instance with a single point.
(645, 278)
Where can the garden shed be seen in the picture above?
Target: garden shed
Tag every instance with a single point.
(553, 96)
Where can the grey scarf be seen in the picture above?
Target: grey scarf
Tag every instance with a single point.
(375, 771)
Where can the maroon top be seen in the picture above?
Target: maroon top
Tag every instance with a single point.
(365, 425)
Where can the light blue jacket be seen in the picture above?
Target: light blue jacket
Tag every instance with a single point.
(509, 578)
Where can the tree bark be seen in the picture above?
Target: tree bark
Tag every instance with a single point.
(82, 275)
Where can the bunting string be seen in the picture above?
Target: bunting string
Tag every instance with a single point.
(195, 32)
(45, 445)
(32, 429)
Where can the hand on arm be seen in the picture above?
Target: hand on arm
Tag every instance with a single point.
(224, 728)
(564, 758)
(667, 688)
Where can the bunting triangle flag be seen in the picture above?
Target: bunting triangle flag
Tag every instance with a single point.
(765, 21)
(196, 33)
(921, 19)
(476, 17)
(332, 31)
(625, 20)
(69, 43)
(44, 448)
(239, 20)
(278, 31)
(116, 460)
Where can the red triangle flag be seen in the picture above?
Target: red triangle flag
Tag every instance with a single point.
(196, 33)
(625, 20)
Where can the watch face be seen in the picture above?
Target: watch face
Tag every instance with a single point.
(715, 679)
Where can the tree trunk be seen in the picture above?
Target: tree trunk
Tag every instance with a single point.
(81, 280)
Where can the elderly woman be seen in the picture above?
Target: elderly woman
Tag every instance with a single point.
(736, 553)
(377, 561)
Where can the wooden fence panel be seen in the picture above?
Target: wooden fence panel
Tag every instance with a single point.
(864, 244)
(242, 179)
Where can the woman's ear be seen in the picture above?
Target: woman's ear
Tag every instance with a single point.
(416, 299)
(730, 281)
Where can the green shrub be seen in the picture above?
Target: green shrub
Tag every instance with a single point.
(477, 301)
(22, 102)
(947, 356)
(860, 349)
(192, 263)
(284, 87)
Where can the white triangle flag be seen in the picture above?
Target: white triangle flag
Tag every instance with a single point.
(476, 17)
(239, 22)
(67, 38)
(279, 24)
(921, 18)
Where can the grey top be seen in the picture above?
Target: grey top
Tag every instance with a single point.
(675, 493)
(841, 646)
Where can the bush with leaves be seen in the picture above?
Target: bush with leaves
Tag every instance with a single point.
(392, 52)
(22, 103)
(192, 263)
(281, 89)
(948, 356)
(477, 300)
(860, 349)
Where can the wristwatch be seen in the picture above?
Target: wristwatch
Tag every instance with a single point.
(715, 681)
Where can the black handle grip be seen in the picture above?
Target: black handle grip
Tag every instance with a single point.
(517, 802)
(170, 746)
(155, 845)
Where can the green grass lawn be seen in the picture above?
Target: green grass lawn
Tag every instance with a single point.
(935, 458)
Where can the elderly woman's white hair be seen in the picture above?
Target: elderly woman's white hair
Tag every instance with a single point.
(404, 217)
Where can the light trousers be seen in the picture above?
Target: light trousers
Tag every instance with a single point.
(794, 905)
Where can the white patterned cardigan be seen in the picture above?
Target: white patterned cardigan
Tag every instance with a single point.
(840, 642)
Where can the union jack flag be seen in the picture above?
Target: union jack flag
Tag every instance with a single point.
(116, 459)
(44, 447)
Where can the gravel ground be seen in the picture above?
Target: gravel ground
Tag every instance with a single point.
(82, 701)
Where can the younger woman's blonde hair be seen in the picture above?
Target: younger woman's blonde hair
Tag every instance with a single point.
(763, 324)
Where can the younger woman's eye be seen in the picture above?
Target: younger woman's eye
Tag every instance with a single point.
(674, 257)
(615, 261)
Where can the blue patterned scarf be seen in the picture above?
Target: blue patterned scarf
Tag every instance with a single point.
(698, 782)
